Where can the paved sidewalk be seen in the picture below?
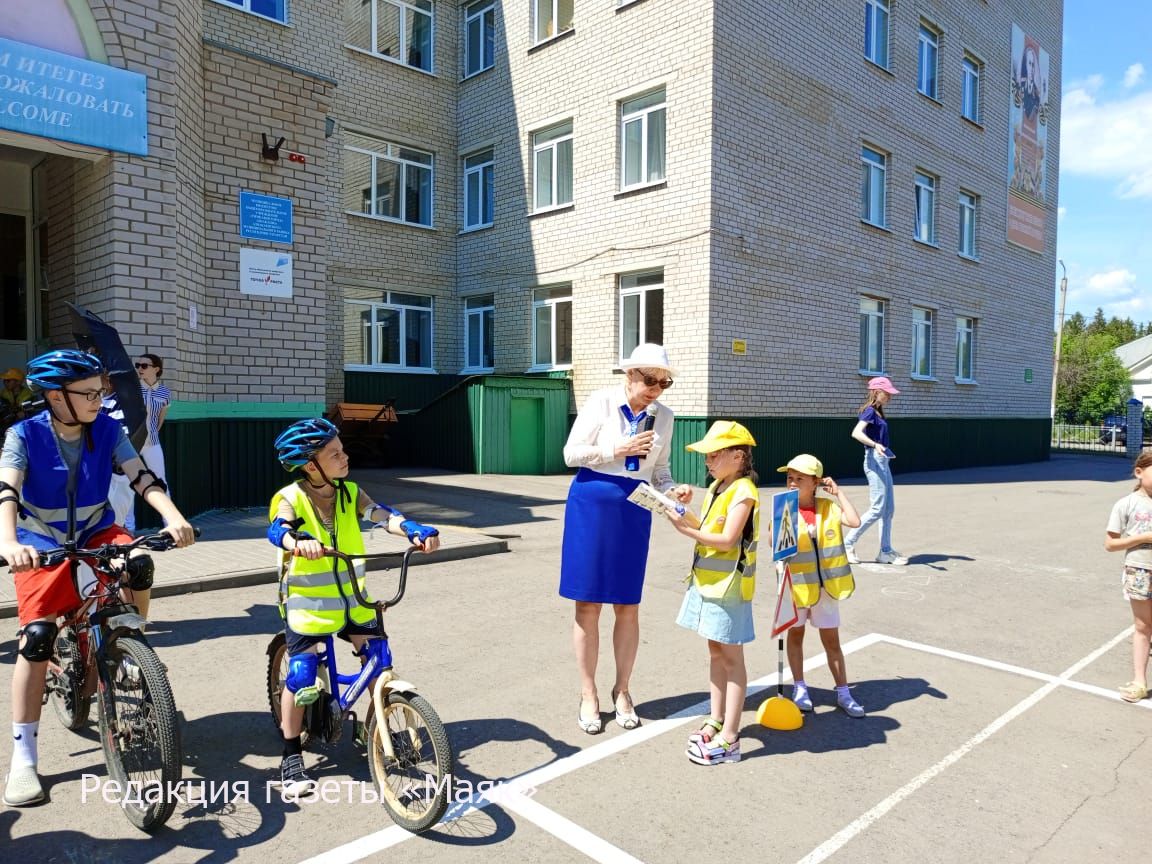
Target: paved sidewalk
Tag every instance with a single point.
(233, 551)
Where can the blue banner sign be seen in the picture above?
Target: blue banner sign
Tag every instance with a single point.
(265, 217)
(66, 98)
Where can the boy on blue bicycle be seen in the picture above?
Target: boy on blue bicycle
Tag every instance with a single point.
(322, 509)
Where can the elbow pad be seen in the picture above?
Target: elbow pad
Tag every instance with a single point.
(415, 531)
(281, 526)
(389, 510)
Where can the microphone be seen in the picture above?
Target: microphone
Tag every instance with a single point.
(649, 423)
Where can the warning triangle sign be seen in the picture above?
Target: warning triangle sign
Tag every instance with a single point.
(786, 614)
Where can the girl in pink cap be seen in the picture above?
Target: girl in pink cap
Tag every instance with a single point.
(872, 432)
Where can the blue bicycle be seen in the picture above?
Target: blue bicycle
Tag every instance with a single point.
(409, 754)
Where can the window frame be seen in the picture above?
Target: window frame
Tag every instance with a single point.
(925, 185)
(487, 172)
(880, 313)
(488, 310)
(483, 9)
(922, 342)
(387, 156)
(973, 208)
(245, 6)
(628, 285)
(403, 308)
(540, 299)
(555, 4)
(871, 165)
(966, 325)
(871, 9)
(372, 48)
(977, 76)
(641, 115)
(553, 144)
(928, 34)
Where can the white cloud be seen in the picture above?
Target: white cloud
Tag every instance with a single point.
(1060, 211)
(1115, 291)
(1111, 140)
(1133, 75)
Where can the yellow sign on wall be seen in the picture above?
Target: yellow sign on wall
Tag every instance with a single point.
(739, 346)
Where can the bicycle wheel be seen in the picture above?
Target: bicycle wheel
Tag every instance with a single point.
(277, 672)
(139, 731)
(414, 785)
(65, 684)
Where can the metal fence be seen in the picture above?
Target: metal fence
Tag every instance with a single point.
(1100, 439)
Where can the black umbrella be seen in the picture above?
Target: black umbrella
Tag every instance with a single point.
(93, 335)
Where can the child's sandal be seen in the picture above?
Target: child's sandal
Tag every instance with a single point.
(706, 731)
(1133, 692)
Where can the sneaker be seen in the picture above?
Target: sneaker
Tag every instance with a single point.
(801, 698)
(23, 787)
(850, 551)
(849, 705)
(714, 752)
(892, 558)
(294, 780)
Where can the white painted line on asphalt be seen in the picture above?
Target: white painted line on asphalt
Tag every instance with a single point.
(860, 824)
(525, 784)
(565, 830)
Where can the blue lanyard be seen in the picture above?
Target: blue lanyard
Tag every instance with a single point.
(632, 463)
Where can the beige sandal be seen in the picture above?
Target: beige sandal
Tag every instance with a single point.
(1133, 692)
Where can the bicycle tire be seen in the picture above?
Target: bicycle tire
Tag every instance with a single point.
(277, 671)
(145, 713)
(415, 809)
(66, 692)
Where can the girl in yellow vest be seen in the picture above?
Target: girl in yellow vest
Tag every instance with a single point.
(718, 603)
(821, 575)
(321, 510)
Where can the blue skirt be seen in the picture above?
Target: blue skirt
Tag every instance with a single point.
(605, 550)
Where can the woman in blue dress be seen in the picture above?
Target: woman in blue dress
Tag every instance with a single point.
(621, 437)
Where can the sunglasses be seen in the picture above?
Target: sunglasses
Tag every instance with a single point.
(88, 395)
(143, 365)
(650, 381)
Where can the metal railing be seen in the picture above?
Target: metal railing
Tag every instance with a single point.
(1099, 439)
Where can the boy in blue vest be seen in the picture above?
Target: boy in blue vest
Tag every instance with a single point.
(321, 510)
(55, 472)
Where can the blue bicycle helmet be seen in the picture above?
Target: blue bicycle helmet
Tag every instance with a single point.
(302, 440)
(52, 371)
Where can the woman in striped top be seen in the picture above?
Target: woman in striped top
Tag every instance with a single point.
(157, 398)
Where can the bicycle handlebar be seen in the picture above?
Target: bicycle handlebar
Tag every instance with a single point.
(159, 542)
(379, 605)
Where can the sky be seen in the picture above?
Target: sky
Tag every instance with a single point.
(1105, 208)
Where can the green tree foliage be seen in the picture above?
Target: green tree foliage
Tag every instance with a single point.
(1093, 382)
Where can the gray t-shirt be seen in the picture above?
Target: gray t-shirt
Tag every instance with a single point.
(15, 454)
(1132, 515)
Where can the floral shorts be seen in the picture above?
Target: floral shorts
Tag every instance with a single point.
(1137, 583)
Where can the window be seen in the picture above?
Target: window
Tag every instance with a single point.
(642, 147)
(641, 310)
(552, 166)
(970, 98)
(479, 37)
(921, 343)
(479, 338)
(929, 57)
(400, 30)
(479, 190)
(552, 17)
(552, 327)
(277, 10)
(876, 31)
(925, 207)
(387, 180)
(967, 234)
(873, 198)
(965, 349)
(871, 334)
(395, 332)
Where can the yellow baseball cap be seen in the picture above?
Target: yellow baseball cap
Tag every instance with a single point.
(723, 434)
(13, 374)
(805, 463)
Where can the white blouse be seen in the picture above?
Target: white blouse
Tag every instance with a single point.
(601, 425)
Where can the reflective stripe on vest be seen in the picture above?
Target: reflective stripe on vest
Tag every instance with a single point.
(316, 603)
(714, 570)
(831, 571)
(44, 510)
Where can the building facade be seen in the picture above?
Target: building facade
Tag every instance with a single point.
(792, 203)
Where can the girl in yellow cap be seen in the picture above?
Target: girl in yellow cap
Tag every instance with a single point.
(718, 603)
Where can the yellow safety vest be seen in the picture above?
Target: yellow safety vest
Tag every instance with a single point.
(714, 571)
(826, 568)
(314, 603)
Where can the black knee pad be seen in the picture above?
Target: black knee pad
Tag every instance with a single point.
(140, 571)
(39, 638)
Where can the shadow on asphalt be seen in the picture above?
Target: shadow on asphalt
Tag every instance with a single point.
(259, 619)
(931, 559)
(456, 505)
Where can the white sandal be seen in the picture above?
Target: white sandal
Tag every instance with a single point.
(591, 727)
(626, 719)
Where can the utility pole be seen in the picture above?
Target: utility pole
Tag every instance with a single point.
(1059, 336)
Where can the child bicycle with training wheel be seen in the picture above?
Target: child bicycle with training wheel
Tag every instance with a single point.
(315, 523)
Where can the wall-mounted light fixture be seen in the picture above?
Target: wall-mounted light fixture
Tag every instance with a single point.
(329, 126)
(271, 153)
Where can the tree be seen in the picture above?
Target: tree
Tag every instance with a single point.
(1093, 382)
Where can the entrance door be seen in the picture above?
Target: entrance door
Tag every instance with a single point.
(527, 440)
(15, 290)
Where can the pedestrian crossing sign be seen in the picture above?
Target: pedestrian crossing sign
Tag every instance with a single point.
(785, 516)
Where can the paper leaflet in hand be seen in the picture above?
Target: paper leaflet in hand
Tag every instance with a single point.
(786, 614)
(646, 496)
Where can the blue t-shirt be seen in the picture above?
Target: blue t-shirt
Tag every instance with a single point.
(877, 428)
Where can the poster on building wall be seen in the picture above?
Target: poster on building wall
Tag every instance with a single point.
(265, 272)
(1028, 143)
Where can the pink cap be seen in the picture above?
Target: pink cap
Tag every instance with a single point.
(882, 383)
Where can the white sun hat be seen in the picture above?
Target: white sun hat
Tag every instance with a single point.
(648, 356)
